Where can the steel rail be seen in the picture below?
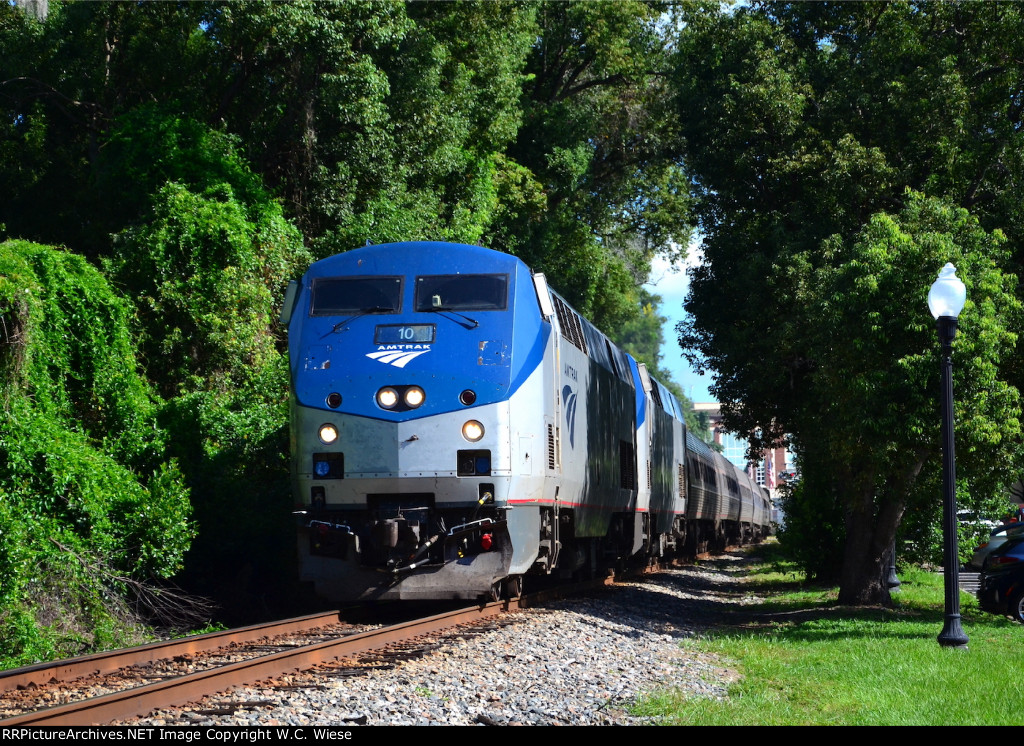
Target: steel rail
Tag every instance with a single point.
(113, 660)
(192, 687)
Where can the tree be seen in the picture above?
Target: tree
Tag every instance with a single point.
(810, 126)
(201, 153)
(206, 268)
(92, 506)
(870, 404)
(600, 190)
(63, 81)
(375, 121)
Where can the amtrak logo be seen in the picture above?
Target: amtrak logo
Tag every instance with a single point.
(569, 402)
(398, 356)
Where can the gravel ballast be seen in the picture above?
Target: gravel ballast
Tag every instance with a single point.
(581, 661)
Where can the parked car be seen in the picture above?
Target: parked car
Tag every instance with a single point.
(971, 518)
(1001, 590)
(998, 537)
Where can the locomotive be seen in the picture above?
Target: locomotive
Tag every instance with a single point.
(456, 425)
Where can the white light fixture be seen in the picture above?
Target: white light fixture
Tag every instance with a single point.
(948, 294)
(387, 398)
(414, 397)
(472, 431)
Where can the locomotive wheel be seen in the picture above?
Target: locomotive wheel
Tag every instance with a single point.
(495, 594)
(514, 586)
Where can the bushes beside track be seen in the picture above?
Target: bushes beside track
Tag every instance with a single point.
(89, 504)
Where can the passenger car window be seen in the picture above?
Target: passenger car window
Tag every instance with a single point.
(461, 292)
(337, 296)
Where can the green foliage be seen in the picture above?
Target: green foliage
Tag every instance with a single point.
(202, 153)
(153, 145)
(880, 465)
(838, 162)
(236, 447)
(813, 532)
(309, 102)
(889, 363)
(206, 271)
(920, 539)
(598, 138)
(82, 473)
(642, 337)
(540, 129)
(65, 81)
(210, 259)
(69, 351)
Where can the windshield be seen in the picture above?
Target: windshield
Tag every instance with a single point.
(461, 292)
(336, 296)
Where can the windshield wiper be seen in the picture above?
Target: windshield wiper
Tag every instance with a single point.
(364, 312)
(446, 309)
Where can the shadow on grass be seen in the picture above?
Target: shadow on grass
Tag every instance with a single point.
(752, 593)
(782, 603)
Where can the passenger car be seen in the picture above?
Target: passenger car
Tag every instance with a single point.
(1002, 581)
(999, 536)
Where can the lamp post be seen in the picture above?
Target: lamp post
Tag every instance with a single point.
(892, 581)
(945, 300)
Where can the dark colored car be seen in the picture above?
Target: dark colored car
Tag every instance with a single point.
(998, 537)
(1002, 580)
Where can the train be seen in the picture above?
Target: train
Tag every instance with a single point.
(456, 427)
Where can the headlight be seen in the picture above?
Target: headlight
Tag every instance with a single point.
(400, 398)
(472, 431)
(328, 433)
(387, 398)
(414, 397)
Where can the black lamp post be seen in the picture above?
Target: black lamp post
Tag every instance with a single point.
(945, 300)
(892, 581)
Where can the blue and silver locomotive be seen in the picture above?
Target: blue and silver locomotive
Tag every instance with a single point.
(456, 425)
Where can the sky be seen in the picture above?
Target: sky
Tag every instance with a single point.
(672, 285)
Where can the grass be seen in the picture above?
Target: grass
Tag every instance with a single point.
(806, 661)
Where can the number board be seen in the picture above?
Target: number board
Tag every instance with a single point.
(396, 334)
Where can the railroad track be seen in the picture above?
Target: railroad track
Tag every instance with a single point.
(334, 640)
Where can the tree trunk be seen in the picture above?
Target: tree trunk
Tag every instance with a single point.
(869, 536)
(870, 533)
